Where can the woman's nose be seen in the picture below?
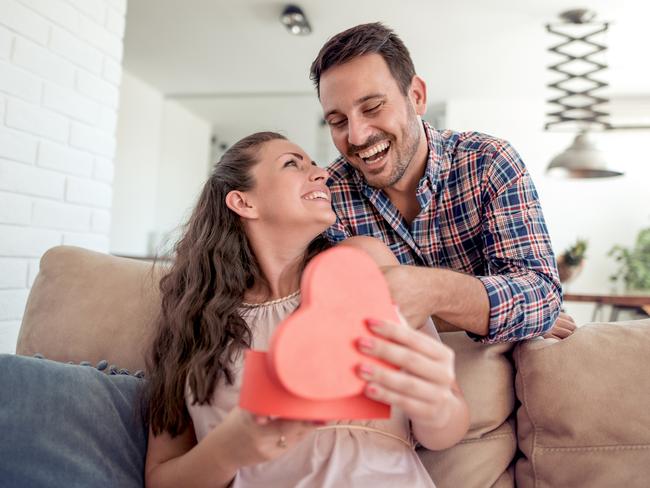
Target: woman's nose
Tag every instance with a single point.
(318, 173)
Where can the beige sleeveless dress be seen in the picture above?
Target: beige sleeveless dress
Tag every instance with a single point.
(373, 453)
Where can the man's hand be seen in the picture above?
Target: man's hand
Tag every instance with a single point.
(402, 283)
(563, 327)
(456, 298)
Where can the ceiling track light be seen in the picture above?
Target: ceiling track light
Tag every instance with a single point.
(295, 20)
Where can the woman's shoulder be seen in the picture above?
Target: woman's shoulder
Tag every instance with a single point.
(375, 248)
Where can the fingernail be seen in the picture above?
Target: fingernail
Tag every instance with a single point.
(365, 370)
(366, 343)
(374, 324)
(372, 390)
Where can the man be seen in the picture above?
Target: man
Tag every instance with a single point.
(459, 208)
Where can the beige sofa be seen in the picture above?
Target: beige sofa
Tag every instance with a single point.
(544, 413)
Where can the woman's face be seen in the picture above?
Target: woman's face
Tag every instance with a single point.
(290, 190)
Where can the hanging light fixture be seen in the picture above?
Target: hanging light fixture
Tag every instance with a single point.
(581, 159)
(580, 107)
(295, 20)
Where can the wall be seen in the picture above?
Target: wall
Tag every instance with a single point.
(604, 211)
(184, 166)
(139, 132)
(297, 116)
(161, 164)
(60, 70)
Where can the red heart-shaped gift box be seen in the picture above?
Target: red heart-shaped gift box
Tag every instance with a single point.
(310, 370)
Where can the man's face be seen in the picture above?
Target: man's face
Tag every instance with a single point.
(373, 125)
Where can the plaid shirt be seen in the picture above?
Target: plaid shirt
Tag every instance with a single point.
(480, 214)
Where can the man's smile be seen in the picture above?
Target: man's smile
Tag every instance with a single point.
(376, 153)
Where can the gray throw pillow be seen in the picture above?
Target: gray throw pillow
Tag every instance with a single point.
(69, 426)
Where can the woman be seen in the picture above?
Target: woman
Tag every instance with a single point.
(236, 274)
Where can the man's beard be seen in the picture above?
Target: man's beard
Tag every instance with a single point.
(403, 158)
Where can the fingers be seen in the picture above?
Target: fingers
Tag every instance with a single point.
(553, 335)
(413, 407)
(392, 384)
(261, 419)
(565, 321)
(565, 317)
(563, 327)
(569, 325)
(413, 339)
(559, 333)
(564, 332)
(423, 384)
(294, 428)
(412, 350)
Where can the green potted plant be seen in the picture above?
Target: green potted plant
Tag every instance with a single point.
(634, 263)
(571, 261)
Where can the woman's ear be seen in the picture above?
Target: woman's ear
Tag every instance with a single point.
(240, 203)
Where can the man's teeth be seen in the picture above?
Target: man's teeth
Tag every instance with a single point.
(316, 195)
(374, 150)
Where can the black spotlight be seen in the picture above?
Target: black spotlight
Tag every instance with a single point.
(295, 20)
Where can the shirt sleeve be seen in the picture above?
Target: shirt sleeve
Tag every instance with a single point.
(521, 273)
(337, 232)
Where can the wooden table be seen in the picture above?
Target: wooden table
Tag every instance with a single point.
(617, 302)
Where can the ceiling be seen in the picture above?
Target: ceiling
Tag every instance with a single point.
(468, 48)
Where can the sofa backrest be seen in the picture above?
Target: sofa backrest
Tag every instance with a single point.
(88, 306)
(584, 420)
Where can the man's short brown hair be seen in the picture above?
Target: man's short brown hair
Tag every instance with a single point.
(374, 38)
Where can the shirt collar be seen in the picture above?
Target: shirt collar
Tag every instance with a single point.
(435, 159)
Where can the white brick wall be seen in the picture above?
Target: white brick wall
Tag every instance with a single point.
(15, 81)
(5, 43)
(14, 209)
(15, 275)
(60, 71)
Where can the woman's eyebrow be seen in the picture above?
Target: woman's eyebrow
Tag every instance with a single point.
(299, 156)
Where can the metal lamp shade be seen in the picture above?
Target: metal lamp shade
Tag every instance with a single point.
(581, 160)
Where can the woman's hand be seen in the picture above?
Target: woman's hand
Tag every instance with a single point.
(257, 439)
(424, 387)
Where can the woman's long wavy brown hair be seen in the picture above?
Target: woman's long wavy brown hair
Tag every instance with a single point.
(199, 330)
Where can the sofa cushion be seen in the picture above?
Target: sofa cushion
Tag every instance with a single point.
(483, 458)
(87, 306)
(585, 414)
(72, 426)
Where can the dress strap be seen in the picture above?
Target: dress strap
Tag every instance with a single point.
(368, 429)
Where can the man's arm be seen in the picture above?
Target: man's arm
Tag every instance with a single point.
(518, 295)
(456, 299)
(520, 275)
(412, 289)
